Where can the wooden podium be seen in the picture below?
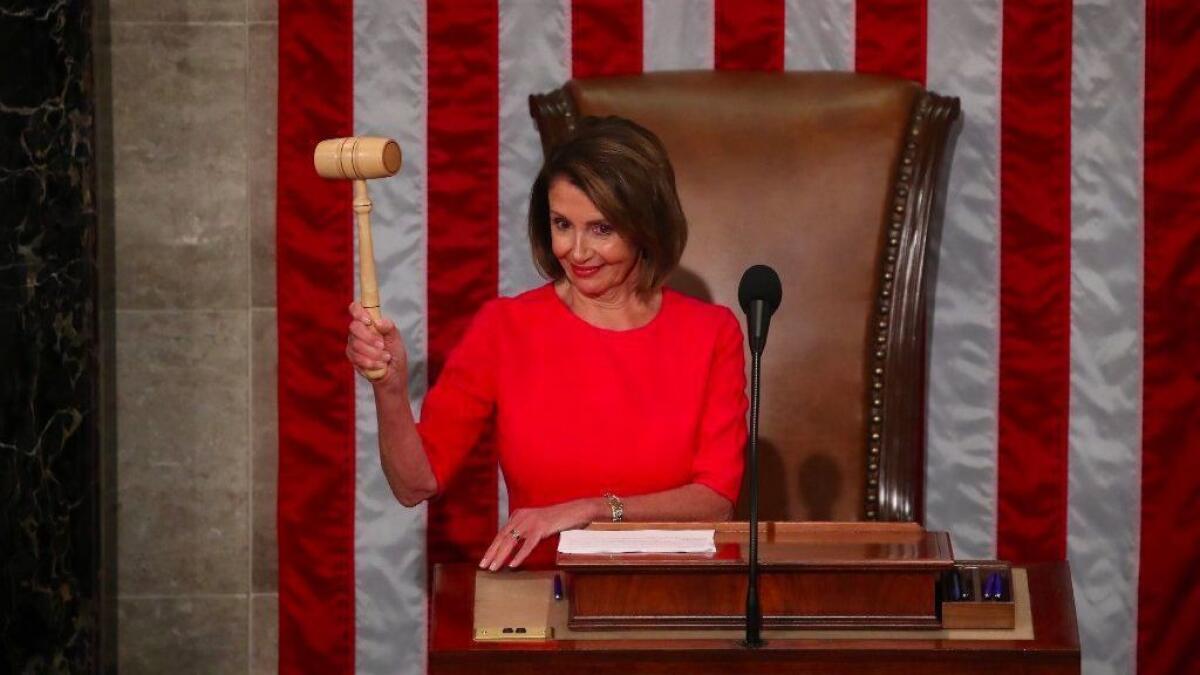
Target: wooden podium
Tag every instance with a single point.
(819, 575)
(836, 597)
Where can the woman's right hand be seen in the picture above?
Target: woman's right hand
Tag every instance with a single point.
(374, 345)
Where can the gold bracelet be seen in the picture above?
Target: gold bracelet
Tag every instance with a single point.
(617, 506)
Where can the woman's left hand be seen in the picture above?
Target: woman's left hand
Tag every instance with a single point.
(527, 527)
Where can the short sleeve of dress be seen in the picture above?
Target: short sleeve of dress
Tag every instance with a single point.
(720, 456)
(460, 404)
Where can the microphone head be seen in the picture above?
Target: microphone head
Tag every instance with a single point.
(760, 282)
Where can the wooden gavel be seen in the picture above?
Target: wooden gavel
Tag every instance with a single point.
(360, 158)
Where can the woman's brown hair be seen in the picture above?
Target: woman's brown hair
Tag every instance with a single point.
(623, 168)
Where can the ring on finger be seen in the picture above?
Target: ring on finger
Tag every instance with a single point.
(515, 534)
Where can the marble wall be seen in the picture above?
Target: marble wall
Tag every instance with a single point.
(50, 545)
(192, 110)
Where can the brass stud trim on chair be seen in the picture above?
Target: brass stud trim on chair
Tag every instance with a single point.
(903, 192)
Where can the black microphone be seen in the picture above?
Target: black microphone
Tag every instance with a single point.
(759, 294)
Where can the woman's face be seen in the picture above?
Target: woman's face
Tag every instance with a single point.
(595, 258)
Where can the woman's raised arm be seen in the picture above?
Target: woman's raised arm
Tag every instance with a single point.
(372, 346)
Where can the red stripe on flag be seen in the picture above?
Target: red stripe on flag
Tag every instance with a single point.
(1035, 279)
(463, 262)
(890, 38)
(314, 264)
(1168, 584)
(606, 37)
(749, 35)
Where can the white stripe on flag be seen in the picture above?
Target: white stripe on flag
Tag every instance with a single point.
(819, 35)
(389, 540)
(678, 34)
(1104, 476)
(534, 58)
(960, 479)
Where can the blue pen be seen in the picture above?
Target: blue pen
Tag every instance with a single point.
(558, 587)
(955, 586)
(992, 587)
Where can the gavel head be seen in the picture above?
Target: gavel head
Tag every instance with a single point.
(357, 158)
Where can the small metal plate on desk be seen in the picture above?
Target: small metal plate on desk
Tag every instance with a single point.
(514, 633)
(514, 605)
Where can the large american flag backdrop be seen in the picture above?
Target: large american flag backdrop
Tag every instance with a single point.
(1065, 367)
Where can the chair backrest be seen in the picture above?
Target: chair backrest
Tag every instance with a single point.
(830, 178)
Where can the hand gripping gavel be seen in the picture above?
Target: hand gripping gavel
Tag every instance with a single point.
(359, 158)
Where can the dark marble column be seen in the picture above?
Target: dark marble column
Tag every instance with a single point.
(50, 543)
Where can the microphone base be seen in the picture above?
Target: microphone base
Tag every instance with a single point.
(752, 645)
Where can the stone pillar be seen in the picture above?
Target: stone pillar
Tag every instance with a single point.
(191, 175)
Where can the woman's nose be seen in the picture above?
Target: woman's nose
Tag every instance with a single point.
(580, 251)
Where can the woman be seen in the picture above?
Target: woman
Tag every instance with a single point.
(614, 397)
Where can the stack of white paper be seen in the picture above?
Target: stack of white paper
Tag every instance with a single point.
(637, 541)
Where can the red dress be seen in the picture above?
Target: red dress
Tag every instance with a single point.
(582, 410)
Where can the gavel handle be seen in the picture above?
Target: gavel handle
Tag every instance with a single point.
(368, 285)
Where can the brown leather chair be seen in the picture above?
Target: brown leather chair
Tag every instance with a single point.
(832, 179)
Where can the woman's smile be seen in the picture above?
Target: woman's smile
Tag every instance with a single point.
(584, 272)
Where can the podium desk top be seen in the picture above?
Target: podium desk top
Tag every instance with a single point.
(1054, 647)
(786, 545)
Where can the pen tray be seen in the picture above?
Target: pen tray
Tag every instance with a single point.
(975, 612)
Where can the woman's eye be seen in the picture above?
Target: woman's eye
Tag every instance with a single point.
(560, 224)
(602, 228)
